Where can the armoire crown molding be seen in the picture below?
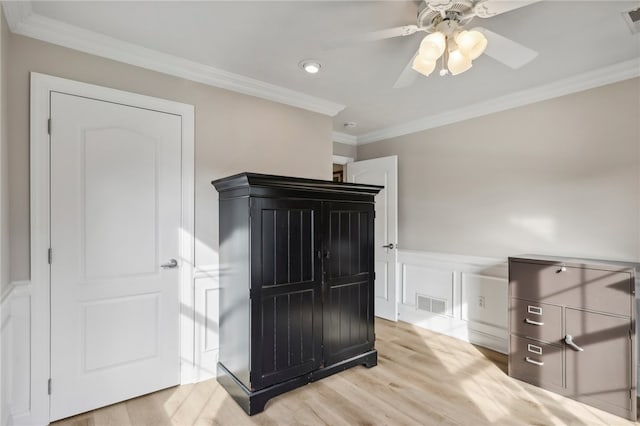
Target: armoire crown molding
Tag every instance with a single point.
(22, 20)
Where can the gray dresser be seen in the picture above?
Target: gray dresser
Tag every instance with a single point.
(572, 329)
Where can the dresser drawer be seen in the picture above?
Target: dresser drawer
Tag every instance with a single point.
(536, 363)
(591, 289)
(536, 320)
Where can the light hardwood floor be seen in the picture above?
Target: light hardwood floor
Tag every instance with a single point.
(423, 378)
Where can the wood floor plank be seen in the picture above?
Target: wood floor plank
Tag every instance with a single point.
(422, 378)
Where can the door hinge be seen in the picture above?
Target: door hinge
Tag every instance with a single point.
(50, 255)
(374, 214)
(630, 393)
(49, 387)
(49, 126)
(374, 276)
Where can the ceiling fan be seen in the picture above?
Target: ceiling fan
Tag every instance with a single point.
(448, 40)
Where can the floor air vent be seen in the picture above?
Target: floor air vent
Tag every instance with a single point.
(431, 304)
(633, 20)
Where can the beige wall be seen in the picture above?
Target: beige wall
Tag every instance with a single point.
(344, 150)
(5, 274)
(559, 177)
(234, 133)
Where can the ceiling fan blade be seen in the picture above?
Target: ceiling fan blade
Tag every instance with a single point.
(489, 8)
(407, 76)
(403, 31)
(507, 51)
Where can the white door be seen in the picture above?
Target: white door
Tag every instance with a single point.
(382, 171)
(115, 219)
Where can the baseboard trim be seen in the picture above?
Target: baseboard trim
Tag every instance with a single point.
(456, 328)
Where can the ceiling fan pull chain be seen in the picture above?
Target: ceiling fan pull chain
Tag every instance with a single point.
(444, 71)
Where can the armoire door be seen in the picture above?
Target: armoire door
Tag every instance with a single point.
(348, 269)
(286, 284)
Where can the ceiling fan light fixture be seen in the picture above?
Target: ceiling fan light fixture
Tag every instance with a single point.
(433, 45)
(458, 62)
(423, 65)
(471, 43)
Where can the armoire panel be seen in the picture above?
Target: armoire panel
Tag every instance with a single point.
(290, 344)
(347, 320)
(287, 247)
(348, 243)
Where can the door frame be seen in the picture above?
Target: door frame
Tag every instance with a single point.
(41, 87)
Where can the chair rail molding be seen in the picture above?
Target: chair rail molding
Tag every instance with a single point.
(457, 295)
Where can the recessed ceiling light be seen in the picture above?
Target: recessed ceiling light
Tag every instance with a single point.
(310, 65)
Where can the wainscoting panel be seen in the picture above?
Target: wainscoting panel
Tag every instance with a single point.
(6, 355)
(16, 354)
(424, 288)
(461, 296)
(485, 300)
(207, 292)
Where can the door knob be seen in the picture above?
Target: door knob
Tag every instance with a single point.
(172, 263)
(389, 246)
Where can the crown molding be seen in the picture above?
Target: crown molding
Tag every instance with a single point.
(29, 24)
(345, 138)
(589, 80)
(16, 12)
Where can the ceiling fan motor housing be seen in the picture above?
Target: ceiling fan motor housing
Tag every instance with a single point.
(434, 12)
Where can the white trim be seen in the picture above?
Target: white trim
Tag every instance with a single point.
(460, 262)
(57, 32)
(585, 81)
(13, 288)
(341, 159)
(41, 86)
(444, 272)
(345, 138)
(15, 12)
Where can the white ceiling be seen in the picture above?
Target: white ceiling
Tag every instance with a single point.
(265, 40)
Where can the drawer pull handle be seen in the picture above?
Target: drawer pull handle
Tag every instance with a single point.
(533, 361)
(569, 341)
(532, 322)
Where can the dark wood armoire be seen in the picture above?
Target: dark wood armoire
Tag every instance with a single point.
(296, 283)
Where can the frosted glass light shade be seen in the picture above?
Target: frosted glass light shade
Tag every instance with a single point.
(433, 45)
(471, 43)
(423, 66)
(458, 62)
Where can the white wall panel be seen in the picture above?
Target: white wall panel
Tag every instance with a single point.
(6, 373)
(207, 294)
(15, 329)
(464, 282)
(484, 299)
(421, 280)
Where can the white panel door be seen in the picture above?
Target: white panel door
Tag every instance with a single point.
(115, 219)
(382, 171)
